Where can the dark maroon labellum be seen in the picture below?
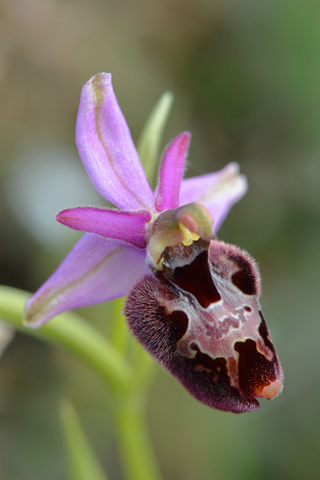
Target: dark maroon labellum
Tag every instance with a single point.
(200, 317)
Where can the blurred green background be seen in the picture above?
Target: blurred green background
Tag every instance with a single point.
(246, 78)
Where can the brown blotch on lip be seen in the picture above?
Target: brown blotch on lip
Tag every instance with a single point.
(207, 379)
(196, 279)
(254, 370)
(244, 278)
(207, 363)
(179, 325)
(264, 332)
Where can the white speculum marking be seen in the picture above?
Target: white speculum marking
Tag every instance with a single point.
(216, 329)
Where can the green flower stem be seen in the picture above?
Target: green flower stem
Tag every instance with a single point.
(83, 463)
(120, 334)
(136, 451)
(139, 360)
(135, 446)
(143, 366)
(74, 334)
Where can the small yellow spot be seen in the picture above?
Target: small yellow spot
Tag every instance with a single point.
(188, 237)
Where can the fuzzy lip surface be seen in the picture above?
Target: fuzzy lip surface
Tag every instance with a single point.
(205, 326)
(111, 256)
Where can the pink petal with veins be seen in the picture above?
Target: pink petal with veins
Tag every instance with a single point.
(217, 191)
(107, 150)
(96, 270)
(130, 227)
(171, 173)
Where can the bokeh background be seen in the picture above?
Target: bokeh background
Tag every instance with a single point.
(246, 78)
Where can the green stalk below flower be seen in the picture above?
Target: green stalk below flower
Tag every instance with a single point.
(72, 333)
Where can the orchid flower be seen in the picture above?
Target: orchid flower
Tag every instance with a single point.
(193, 301)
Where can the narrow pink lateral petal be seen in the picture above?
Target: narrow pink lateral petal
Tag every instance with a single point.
(171, 173)
(130, 227)
(106, 147)
(217, 191)
(96, 270)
